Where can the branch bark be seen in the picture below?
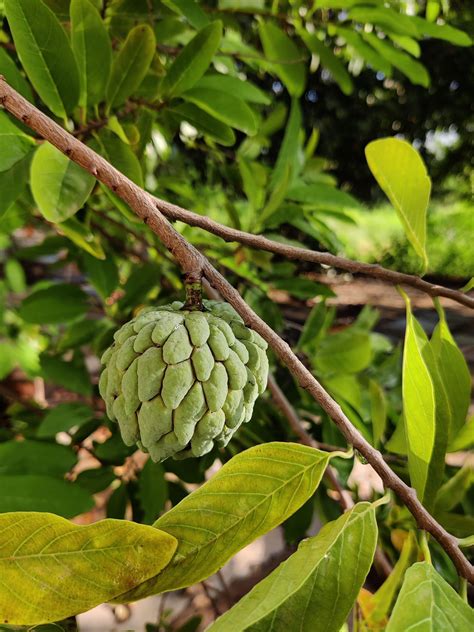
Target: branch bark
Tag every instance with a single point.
(192, 261)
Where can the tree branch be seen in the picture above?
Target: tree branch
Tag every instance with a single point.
(191, 260)
(260, 242)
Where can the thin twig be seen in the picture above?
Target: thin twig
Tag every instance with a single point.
(191, 260)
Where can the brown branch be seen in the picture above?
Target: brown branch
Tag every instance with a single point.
(260, 242)
(191, 260)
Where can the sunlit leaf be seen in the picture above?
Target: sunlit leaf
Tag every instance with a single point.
(425, 410)
(45, 53)
(253, 493)
(303, 589)
(414, 70)
(52, 569)
(427, 602)
(402, 176)
(59, 186)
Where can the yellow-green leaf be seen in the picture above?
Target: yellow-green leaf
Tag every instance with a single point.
(401, 174)
(254, 492)
(14, 144)
(51, 569)
(427, 602)
(317, 586)
(425, 411)
(59, 186)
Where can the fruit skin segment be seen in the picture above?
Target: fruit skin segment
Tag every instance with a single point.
(179, 382)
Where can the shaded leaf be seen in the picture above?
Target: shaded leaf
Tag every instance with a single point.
(13, 182)
(81, 235)
(35, 457)
(427, 601)
(453, 491)
(288, 153)
(285, 57)
(35, 492)
(270, 482)
(329, 61)
(302, 589)
(63, 417)
(45, 54)
(454, 373)
(66, 561)
(204, 123)
(72, 375)
(103, 274)
(56, 304)
(242, 89)
(191, 10)
(346, 351)
(59, 186)
(320, 195)
(92, 49)
(225, 107)
(378, 410)
(131, 65)
(370, 56)
(153, 491)
(14, 144)
(193, 61)
(402, 176)
(13, 76)
(414, 70)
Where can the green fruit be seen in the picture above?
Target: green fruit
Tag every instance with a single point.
(179, 382)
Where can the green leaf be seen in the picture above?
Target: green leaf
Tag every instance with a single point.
(371, 57)
(72, 375)
(254, 178)
(414, 70)
(118, 154)
(45, 53)
(35, 492)
(325, 196)
(153, 491)
(62, 418)
(13, 76)
(131, 65)
(232, 85)
(225, 107)
(469, 286)
(80, 235)
(193, 61)
(329, 61)
(441, 31)
(427, 602)
(56, 304)
(453, 491)
(14, 144)
(269, 481)
(402, 176)
(191, 10)
(388, 19)
(378, 411)
(425, 412)
(96, 480)
(102, 274)
(285, 57)
(35, 457)
(77, 567)
(92, 49)
(454, 373)
(204, 123)
(59, 186)
(288, 154)
(13, 182)
(464, 440)
(346, 351)
(309, 588)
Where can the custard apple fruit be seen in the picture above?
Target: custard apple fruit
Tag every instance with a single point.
(178, 381)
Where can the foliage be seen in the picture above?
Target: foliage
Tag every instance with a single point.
(205, 104)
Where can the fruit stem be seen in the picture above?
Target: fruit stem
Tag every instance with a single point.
(193, 289)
